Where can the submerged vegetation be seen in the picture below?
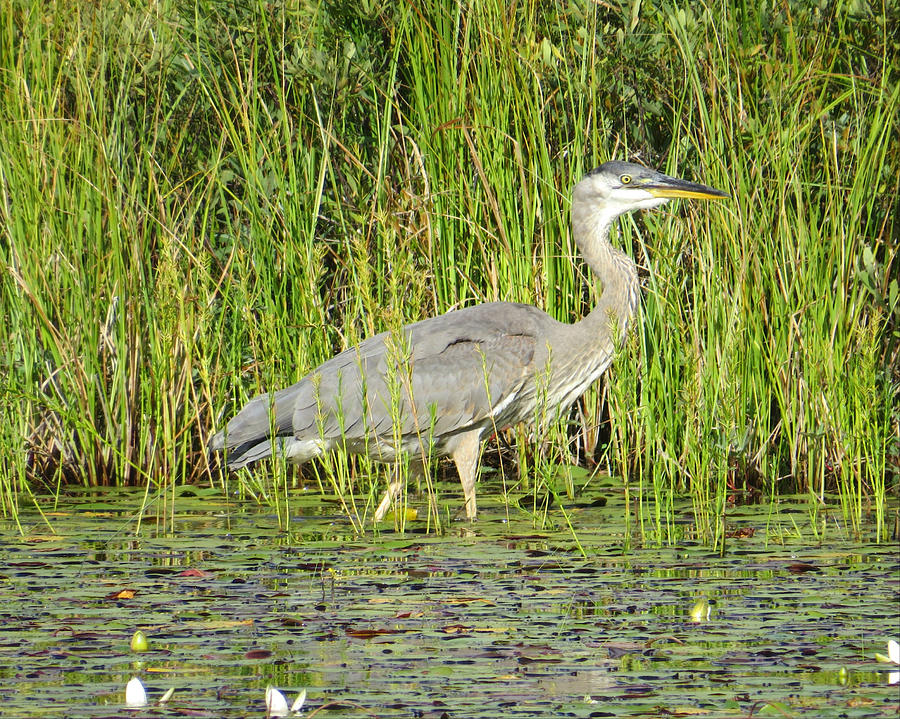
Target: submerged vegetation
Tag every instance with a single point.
(202, 201)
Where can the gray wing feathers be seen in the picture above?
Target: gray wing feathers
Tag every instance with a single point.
(429, 393)
(451, 372)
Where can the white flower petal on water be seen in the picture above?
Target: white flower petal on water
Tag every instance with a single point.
(298, 702)
(276, 704)
(135, 695)
(894, 651)
(894, 678)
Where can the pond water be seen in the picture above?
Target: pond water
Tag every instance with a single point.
(492, 619)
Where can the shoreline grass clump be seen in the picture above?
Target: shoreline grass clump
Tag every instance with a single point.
(201, 203)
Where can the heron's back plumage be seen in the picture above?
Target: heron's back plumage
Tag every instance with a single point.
(434, 379)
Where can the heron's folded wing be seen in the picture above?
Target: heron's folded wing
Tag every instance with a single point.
(429, 388)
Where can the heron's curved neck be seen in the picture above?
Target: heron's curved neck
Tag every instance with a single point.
(591, 224)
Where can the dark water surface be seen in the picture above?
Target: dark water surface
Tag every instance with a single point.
(495, 619)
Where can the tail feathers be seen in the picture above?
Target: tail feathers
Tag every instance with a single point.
(289, 448)
(249, 433)
(250, 452)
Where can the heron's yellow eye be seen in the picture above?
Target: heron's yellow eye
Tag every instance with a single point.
(626, 179)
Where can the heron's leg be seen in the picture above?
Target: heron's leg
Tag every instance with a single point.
(416, 469)
(392, 491)
(466, 454)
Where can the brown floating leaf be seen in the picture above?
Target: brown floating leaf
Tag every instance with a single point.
(257, 654)
(455, 629)
(199, 573)
(741, 533)
(369, 633)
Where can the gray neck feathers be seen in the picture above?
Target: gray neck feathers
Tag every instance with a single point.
(591, 223)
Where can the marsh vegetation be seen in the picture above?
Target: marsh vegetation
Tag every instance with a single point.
(202, 201)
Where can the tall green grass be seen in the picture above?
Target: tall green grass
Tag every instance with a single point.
(202, 202)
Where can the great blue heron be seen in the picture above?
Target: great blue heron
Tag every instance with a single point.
(447, 380)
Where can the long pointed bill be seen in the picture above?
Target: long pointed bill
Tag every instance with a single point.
(669, 187)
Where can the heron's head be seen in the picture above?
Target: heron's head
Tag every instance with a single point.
(618, 187)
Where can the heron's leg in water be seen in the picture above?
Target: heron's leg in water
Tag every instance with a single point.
(416, 472)
(465, 454)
